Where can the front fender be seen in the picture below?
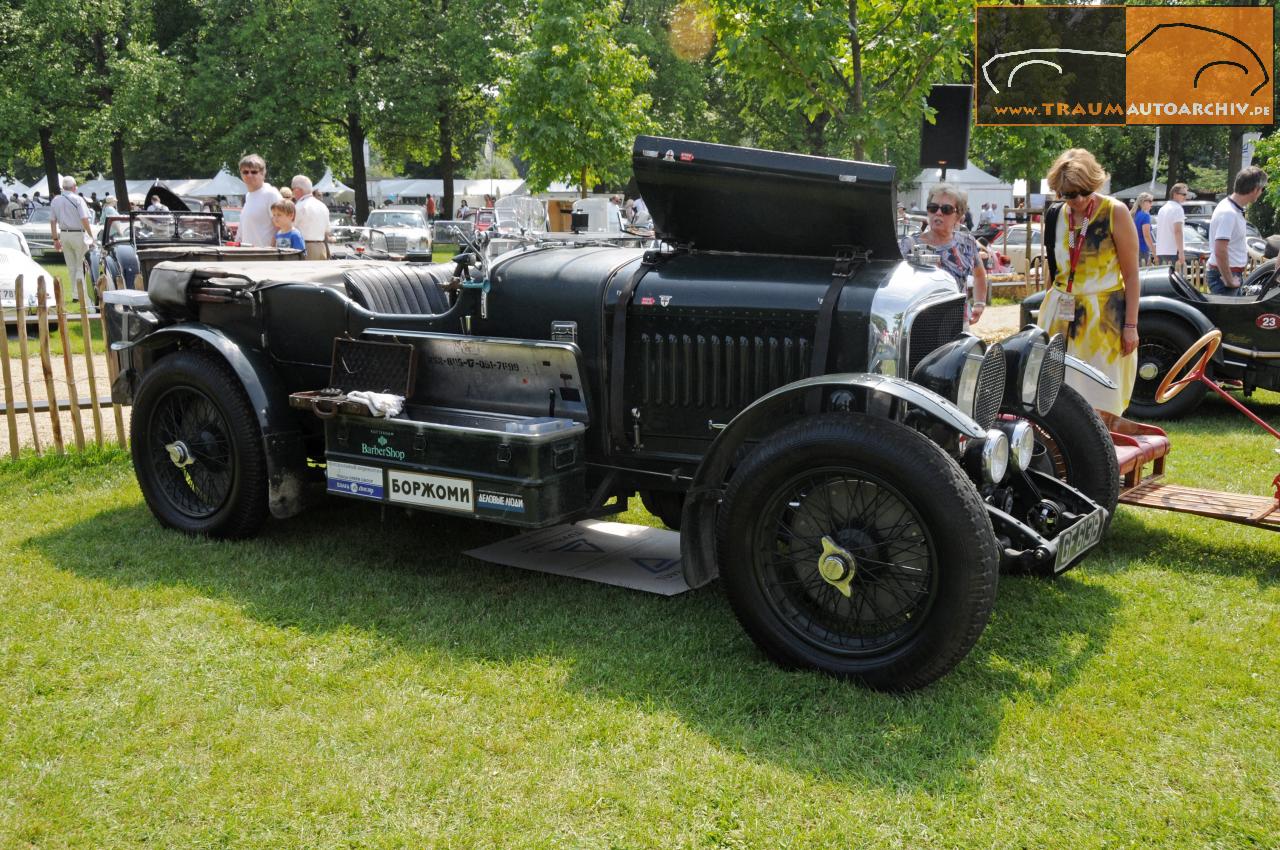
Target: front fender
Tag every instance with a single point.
(282, 440)
(697, 539)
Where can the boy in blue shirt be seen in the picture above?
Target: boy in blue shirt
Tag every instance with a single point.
(282, 214)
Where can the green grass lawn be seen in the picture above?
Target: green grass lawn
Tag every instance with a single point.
(350, 680)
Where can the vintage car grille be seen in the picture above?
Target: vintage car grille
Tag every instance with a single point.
(1052, 374)
(713, 371)
(932, 327)
(990, 388)
(397, 244)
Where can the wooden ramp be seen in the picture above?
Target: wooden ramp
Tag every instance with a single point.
(1260, 511)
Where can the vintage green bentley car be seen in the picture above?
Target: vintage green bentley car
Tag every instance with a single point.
(779, 384)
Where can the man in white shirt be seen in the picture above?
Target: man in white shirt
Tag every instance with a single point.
(71, 215)
(311, 218)
(255, 219)
(1169, 224)
(1227, 233)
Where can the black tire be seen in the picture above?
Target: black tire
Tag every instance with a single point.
(1161, 341)
(917, 603)
(197, 448)
(1073, 444)
(666, 505)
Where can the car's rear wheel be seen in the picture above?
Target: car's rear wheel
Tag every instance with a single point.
(666, 505)
(1161, 341)
(856, 546)
(197, 448)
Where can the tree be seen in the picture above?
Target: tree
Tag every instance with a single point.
(574, 102)
(96, 75)
(1018, 152)
(848, 77)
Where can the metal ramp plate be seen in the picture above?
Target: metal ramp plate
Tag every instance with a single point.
(1233, 507)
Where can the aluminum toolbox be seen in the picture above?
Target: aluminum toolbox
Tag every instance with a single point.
(493, 429)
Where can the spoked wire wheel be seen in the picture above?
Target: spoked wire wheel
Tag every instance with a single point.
(845, 561)
(190, 452)
(856, 546)
(197, 447)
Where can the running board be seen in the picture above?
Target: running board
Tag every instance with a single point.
(1259, 511)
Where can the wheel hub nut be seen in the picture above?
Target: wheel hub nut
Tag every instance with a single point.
(1148, 371)
(836, 566)
(179, 454)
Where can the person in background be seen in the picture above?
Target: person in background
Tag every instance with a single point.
(286, 193)
(155, 205)
(94, 203)
(464, 211)
(311, 218)
(108, 210)
(1227, 231)
(72, 216)
(1169, 224)
(255, 218)
(282, 217)
(958, 253)
(431, 207)
(1093, 300)
(1142, 221)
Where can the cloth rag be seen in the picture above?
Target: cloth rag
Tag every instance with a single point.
(379, 404)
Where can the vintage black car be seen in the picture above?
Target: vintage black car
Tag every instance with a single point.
(1174, 314)
(787, 391)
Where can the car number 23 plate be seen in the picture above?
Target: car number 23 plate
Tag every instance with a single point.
(1080, 538)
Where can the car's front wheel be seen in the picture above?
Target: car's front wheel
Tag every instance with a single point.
(1161, 341)
(856, 546)
(197, 448)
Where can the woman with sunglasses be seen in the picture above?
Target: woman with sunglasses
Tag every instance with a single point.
(1094, 297)
(957, 251)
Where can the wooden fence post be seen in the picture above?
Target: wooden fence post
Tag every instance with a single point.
(104, 284)
(86, 332)
(10, 418)
(77, 426)
(46, 364)
(26, 363)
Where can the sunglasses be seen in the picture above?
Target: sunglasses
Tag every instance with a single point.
(945, 209)
(251, 171)
(1071, 196)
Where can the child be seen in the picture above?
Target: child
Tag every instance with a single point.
(282, 213)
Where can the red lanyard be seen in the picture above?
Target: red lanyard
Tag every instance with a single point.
(1077, 243)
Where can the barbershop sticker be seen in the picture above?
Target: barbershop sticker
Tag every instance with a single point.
(1124, 65)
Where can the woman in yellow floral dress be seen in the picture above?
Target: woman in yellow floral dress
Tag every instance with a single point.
(1094, 298)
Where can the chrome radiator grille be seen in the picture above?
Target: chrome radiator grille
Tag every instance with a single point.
(397, 244)
(931, 328)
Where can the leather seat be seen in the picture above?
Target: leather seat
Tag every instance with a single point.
(400, 289)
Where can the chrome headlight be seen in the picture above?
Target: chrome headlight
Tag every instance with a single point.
(1036, 365)
(973, 379)
(1022, 441)
(995, 456)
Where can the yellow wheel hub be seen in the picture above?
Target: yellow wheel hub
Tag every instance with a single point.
(837, 566)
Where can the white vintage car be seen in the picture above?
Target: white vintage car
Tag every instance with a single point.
(15, 259)
(405, 228)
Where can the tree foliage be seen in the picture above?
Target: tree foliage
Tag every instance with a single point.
(574, 100)
(848, 76)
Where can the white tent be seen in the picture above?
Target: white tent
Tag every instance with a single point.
(223, 184)
(1157, 190)
(333, 187)
(981, 187)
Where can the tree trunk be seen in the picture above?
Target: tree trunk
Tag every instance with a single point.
(117, 173)
(1176, 166)
(355, 141)
(815, 134)
(447, 165)
(855, 95)
(582, 185)
(48, 155)
(1235, 159)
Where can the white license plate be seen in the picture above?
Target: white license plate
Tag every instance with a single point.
(1079, 538)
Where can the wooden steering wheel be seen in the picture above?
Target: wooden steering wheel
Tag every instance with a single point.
(1205, 346)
